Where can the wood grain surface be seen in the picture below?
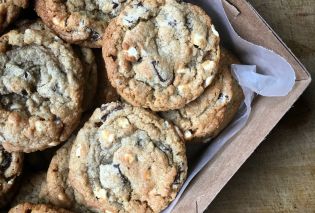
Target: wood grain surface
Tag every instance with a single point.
(280, 175)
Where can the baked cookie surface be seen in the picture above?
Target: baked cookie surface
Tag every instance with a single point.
(208, 115)
(10, 168)
(9, 11)
(41, 89)
(42, 208)
(161, 54)
(79, 21)
(126, 159)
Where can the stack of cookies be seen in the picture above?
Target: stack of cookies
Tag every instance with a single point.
(116, 120)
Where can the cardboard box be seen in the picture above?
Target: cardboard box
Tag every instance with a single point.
(265, 115)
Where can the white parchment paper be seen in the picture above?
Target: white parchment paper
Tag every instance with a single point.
(266, 74)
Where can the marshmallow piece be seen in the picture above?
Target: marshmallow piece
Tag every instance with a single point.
(39, 126)
(208, 65)
(182, 89)
(107, 6)
(53, 144)
(107, 138)
(129, 158)
(215, 32)
(123, 122)
(58, 22)
(199, 40)
(61, 197)
(208, 81)
(100, 193)
(132, 52)
(188, 134)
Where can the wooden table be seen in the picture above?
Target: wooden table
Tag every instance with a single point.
(280, 175)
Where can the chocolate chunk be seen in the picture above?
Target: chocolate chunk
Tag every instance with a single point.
(98, 124)
(139, 4)
(6, 161)
(104, 117)
(139, 143)
(189, 24)
(129, 21)
(66, 21)
(220, 96)
(57, 120)
(103, 107)
(55, 87)
(172, 23)
(57, 90)
(123, 177)
(95, 35)
(164, 148)
(24, 92)
(113, 57)
(140, 60)
(105, 160)
(154, 64)
(115, 5)
(177, 177)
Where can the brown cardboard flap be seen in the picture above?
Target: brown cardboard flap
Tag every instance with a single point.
(209, 182)
(265, 115)
(252, 27)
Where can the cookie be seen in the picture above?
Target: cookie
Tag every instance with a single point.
(41, 89)
(61, 192)
(33, 189)
(126, 159)
(9, 11)
(10, 168)
(42, 208)
(79, 21)
(88, 60)
(208, 115)
(161, 54)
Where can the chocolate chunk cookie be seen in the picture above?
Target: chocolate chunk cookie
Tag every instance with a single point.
(10, 168)
(61, 192)
(42, 208)
(33, 189)
(126, 159)
(79, 21)
(9, 11)
(41, 89)
(208, 115)
(161, 54)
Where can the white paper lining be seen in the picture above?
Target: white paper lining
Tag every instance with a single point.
(274, 77)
